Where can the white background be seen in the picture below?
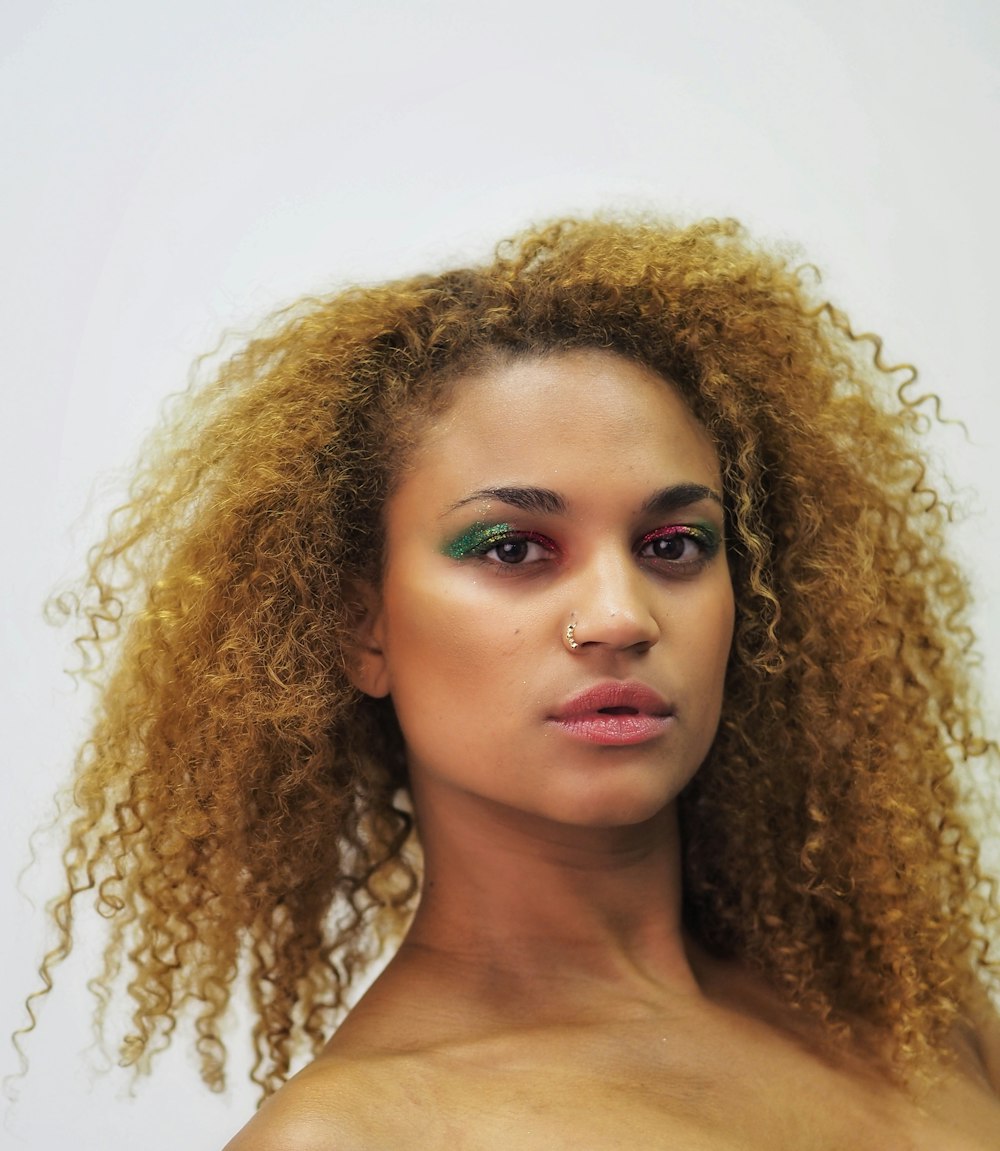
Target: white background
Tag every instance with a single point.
(173, 169)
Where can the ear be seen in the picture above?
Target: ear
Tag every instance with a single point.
(367, 667)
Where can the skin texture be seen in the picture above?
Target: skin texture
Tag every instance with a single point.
(463, 647)
(579, 1012)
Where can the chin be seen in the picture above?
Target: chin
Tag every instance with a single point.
(606, 808)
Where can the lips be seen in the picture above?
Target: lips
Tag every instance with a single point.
(615, 713)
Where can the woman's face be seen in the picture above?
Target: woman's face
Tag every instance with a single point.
(576, 488)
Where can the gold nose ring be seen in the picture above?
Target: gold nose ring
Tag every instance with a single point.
(568, 637)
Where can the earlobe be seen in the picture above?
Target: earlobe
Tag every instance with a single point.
(367, 666)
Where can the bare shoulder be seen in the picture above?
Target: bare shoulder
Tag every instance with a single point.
(323, 1108)
(987, 1029)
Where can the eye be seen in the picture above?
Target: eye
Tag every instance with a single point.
(517, 549)
(680, 545)
(673, 547)
(499, 546)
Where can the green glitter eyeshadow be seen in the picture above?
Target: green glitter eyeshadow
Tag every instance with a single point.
(475, 539)
(709, 536)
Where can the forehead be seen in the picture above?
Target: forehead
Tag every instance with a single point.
(549, 413)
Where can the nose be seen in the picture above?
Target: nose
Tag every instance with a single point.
(612, 606)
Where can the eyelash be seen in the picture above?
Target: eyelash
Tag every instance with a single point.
(482, 550)
(705, 538)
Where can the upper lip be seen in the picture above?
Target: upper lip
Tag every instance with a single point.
(637, 697)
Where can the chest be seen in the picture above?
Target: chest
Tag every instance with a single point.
(645, 1091)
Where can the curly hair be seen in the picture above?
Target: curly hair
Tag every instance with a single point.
(241, 808)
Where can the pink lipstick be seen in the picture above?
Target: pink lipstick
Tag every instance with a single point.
(615, 713)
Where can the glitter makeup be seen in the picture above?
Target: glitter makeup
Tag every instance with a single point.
(703, 534)
(476, 539)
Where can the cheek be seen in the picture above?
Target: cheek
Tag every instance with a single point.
(436, 647)
(714, 636)
(717, 608)
(452, 629)
(727, 625)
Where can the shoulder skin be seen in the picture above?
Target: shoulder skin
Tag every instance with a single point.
(306, 1115)
(987, 1031)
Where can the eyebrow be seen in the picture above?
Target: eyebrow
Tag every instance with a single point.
(680, 496)
(548, 502)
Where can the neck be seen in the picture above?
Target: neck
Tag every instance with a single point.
(522, 906)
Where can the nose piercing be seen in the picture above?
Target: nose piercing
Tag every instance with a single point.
(568, 641)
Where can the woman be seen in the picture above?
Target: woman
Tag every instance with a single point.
(608, 574)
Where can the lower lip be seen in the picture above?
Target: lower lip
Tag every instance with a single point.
(614, 730)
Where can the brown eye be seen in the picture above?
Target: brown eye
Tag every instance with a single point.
(669, 547)
(515, 549)
(680, 547)
(512, 551)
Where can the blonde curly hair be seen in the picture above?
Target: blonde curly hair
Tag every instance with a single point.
(239, 810)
